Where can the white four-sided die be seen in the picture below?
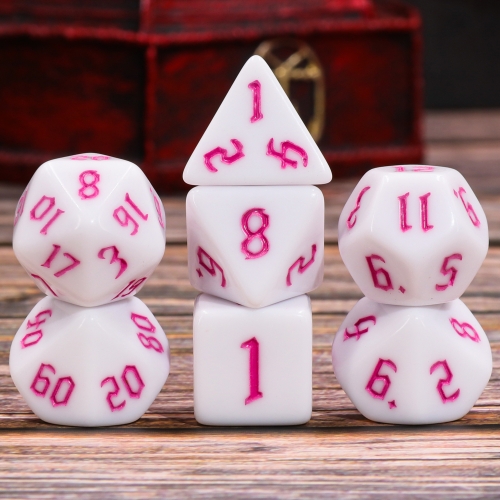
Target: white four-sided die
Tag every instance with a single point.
(89, 229)
(252, 366)
(89, 366)
(256, 138)
(255, 245)
(412, 365)
(413, 235)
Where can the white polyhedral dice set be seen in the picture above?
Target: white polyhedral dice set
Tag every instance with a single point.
(413, 237)
(255, 238)
(89, 229)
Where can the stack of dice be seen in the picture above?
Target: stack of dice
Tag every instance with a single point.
(255, 246)
(413, 237)
(90, 230)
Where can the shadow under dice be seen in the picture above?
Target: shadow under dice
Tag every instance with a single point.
(89, 366)
(89, 229)
(412, 365)
(413, 235)
(255, 245)
(252, 366)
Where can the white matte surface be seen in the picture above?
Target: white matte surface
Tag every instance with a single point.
(413, 339)
(215, 221)
(388, 217)
(84, 227)
(252, 165)
(89, 345)
(222, 367)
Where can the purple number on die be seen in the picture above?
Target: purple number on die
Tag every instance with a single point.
(445, 381)
(212, 267)
(88, 181)
(143, 323)
(74, 261)
(253, 369)
(385, 283)
(63, 388)
(285, 146)
(258, 233)
(358, 331)
(131, 380)
(301, 265)
(114, 258)
(42, 211)
(123, 217)
(386, 381)
(447, 269)
(255, 87)
(36, 333)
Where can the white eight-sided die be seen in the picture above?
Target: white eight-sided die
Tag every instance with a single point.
(255, 245)
(89, 229)
(94, 366)
(412, 365)
(252, 366)
(256, 138)
(413, 235)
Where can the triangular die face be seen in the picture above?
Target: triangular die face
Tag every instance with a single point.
(259, 233)
(256, 138)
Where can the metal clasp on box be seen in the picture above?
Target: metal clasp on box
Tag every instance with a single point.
(295, 63)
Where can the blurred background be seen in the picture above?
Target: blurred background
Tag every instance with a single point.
(377, 82)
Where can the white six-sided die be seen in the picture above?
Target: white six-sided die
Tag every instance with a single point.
(255, 245)
(89, 229)
(412, 365)
(413, 235)
(252, 366)
(93, 366)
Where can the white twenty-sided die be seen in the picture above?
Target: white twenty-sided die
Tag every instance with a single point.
(256, 138)
(255, 245)
(89, 366)
(252, 366)
(89, 229)
(413, 235)
(412, 365)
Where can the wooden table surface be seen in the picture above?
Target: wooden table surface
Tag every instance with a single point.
(338, 454)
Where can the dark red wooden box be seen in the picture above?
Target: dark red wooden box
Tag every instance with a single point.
(142, 81)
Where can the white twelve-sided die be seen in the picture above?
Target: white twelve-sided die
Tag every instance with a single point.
(89, 229)
(255, 245)
(89, 366)
(252, 366)
(413, 235)
(412, 365)
(256, 138)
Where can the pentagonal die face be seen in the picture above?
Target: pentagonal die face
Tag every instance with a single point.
(255, 245)
(413, 235)
(412, 365)
(89, 366)
(89, 229)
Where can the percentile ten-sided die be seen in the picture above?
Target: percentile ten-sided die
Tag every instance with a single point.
(252, 366)
(413, 235)
(412, 365)
(255, 245)
(89, 229)
(256, 138)
(89, 366)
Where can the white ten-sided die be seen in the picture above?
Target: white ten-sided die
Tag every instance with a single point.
(255, 245)
(256, 138)
(412, 365)
(89, 366)
(252, 366)
(89, 229)
(413, 235)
